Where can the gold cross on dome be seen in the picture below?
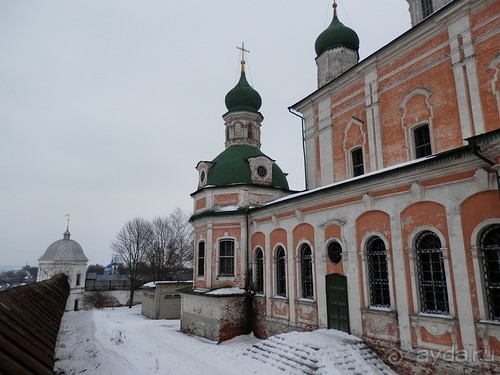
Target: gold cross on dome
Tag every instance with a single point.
(243, 50)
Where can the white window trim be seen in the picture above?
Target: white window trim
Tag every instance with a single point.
(350, 164)
(413, 270)
(275, 275)
(411, 141)
(408, 125)
(198, 277)
(364, 265)
(298, 270)
(478, 269)
(254, 273)
(226, 277)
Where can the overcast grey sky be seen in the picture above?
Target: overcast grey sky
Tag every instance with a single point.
(106, 106)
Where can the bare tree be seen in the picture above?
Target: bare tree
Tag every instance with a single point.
(132, 244)
(99, 299)
(183, 231)
(172, 245)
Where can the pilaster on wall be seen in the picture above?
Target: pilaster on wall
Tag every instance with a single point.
(372, 109)
(464, 65)
(353, 282)
(325, 141)
(461, 279)
(310, 137)
(292, 278)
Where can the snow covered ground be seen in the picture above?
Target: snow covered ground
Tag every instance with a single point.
(122, 341)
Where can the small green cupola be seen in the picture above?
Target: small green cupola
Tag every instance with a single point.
(336, 50)
(243, 97)
(242, 162)
(336, 35)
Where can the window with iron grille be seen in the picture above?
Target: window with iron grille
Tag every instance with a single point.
(357, 162)
(226, 258)
(201, 258)
(427, 8)
(259, 271)
(378, 276)
(422, 141)
(306, 272)
(431, 274)
(489, 245)
(280, 272)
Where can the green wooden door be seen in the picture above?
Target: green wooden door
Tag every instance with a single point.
(337, 306)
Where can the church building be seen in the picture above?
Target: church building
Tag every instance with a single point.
(66, 256)
(396, 238)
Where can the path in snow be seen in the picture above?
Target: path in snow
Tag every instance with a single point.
(121, 341)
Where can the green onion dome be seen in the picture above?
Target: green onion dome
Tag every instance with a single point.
(336, 35)
(231, 167)
(243, 97)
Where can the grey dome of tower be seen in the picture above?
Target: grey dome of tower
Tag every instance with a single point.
(65, 249)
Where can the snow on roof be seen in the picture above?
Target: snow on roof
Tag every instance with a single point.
(373, 173)
(152, 284)
(228, 209)
(226, 291)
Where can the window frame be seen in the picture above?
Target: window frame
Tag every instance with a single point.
(357, 169)
(428, 284)
(379, 287)
(201, 259)
(259, 279)
(225, 257)
(427, 7)
(306, 271)
(328, 251)
(280, 269)
(492, 311)
(426, 145)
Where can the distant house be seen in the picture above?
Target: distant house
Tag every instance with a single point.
(161, 299)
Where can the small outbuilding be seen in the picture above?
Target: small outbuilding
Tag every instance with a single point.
(161, 299)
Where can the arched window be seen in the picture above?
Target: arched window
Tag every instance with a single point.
(431, 274)
(489, 245)
(306, 272)
(357, 162)
(250, 130)
(259, 271)
(280, 272)
(201, 258)
(378, 276)
(226, 258)
(422, 141)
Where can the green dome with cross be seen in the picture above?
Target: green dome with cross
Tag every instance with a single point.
(243, 97)
(336, 35)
